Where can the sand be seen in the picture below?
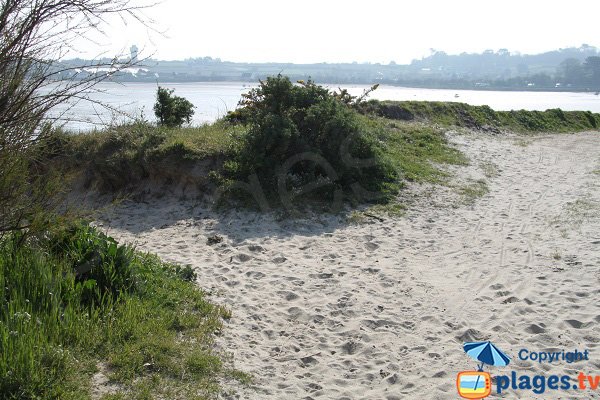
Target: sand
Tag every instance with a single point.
(324, 308)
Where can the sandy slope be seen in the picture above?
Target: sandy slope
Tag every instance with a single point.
(379, 310)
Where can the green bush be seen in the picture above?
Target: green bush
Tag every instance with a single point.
(304, 138)
(172, 111)
(129, 311)
(102, 265)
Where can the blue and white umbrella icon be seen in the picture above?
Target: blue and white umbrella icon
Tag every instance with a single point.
(486, 353)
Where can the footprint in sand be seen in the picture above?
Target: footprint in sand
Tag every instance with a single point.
(255, 248)
(242, 257)
(371, 246)
(289, 296)
(255, 274)
(535, 329)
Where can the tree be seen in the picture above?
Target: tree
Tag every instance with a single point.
(571, 71)
(592, 69)
(34, 35)
(172, 111)
(541, 80)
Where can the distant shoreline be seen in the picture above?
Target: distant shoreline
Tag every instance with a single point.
(250, 83)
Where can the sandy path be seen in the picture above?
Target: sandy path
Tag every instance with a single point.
(326, 309)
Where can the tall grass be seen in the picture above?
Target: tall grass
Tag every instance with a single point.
(75, 298)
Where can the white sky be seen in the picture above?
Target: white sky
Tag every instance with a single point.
(344, 31)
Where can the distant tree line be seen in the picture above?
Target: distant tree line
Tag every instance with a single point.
(574, 68)
(578, 74)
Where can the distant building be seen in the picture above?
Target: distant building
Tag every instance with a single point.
(133, 51)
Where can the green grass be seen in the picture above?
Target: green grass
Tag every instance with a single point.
(490, 170)
(472, 190)
(483, 117)
(151, 328)
(417, 151)
(121, 157)
(578, 212)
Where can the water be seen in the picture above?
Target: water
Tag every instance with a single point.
(214, 99)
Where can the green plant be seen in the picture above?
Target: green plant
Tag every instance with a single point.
(473, 190)
(52, 336)
(100, 264)
(483, 117)
(302, 138)
(121, 157)
(186, 273)
(172, 111)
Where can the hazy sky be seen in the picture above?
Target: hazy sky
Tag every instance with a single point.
(345, 31)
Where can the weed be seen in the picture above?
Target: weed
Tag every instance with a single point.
(473, 190)
(490, 170)
(556, 255)
(142, 318)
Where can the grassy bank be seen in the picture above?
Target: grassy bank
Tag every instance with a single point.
(301, 140)
(120, 157)
(483, 117)
(405, 138)
(75, 303)
(124, 158)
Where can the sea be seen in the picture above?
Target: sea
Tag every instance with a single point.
(127, 101)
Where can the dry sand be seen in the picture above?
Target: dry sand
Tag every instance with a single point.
(323, 308)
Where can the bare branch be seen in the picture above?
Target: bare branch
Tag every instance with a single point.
(34, 35)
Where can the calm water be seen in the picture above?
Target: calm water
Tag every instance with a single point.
(214, 99)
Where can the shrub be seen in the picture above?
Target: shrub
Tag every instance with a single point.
(172, 111)
(304, 138)
(54, 331)
(102, 265)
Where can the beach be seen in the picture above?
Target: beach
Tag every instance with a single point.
(327, 307)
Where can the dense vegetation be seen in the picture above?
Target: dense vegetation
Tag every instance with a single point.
(75, 301)
(570, 68)
(303, 136)
(121, 157)
(483, 117)
(286, 144)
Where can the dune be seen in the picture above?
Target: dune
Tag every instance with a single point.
(324, 308)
